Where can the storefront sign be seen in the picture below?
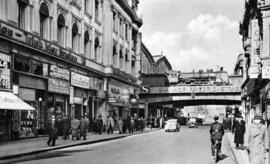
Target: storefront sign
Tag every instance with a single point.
(115, 92)
(58, 86)
(123, 75)
(80, 80)
(36, 42)
(203, 89)
(266, 72)
(59, 73)
(4, 71)
(254, 54)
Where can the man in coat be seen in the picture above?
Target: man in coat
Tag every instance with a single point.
(84, 122)
(239, 129)
(99, 124)
(66, 127)
(75, 128)
(110, 125)
(216, 133)
(257, 141)
(52, 130)
(120, 125)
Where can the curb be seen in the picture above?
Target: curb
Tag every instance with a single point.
(231, 149)
(43, 150)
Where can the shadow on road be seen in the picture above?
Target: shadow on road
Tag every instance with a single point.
(52, 154)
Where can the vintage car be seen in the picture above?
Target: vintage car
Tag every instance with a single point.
(192, 122)
(172, 125)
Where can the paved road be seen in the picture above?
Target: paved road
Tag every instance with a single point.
(189, 146)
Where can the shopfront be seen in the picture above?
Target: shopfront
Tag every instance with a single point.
(58, 93)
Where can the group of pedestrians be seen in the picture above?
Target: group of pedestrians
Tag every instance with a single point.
(254, 138)
(131, 125)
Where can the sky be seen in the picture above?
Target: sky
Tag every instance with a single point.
(193, 34)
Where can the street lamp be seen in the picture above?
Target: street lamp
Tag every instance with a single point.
(38, 115)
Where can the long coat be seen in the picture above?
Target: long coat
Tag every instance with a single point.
(52, 129)
(257, 139)
(75, 124)
(239, 129)
(84, 122)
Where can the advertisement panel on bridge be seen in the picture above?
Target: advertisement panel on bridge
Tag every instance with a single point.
(203, 89)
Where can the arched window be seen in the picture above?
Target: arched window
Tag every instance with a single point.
(61, 30)
(97, 49)
(75, 38)
(87, 45)
(44, 21)
(114, 55)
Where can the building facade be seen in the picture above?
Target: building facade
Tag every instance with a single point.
(60, 58)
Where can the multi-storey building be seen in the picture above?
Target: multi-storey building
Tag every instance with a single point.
(62, 58)
(122, 40)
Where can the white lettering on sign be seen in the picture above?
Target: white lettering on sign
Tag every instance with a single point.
(203, 89)
(59, 73)
(80, 80)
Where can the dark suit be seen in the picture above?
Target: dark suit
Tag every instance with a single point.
(52, 130)
(216, 133)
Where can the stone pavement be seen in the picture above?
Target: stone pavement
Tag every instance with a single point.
(19, 148)
(241, 156)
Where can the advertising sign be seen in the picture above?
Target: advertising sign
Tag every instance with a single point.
(203, 89)
(59, 73)
(115, 92)
(4, 71)
(80, 80)
(58, 86)
(266, 72)
(255, 45)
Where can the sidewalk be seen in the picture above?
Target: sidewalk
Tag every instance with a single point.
(19, 148)
(241, 156)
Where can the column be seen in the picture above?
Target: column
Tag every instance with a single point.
(146, 110)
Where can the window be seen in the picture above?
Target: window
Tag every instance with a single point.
(133, 62)
(21, 15)
(114, 55)
(97, 49)
(44, 21)
(97, 9)
(60, 30)
(126, 31)
(75, 38)
(87, 45)
(121, 58)
(22, 64)
(114, 21)
(126, 60)
(39, 68)
(120, 26)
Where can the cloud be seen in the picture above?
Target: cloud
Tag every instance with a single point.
(206, 42)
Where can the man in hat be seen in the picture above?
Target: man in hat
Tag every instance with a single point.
(52, 130)
(239, 129)
(216, 133)
(84, 122)
(257, 141)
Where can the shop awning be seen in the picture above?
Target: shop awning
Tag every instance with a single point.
(10, 101)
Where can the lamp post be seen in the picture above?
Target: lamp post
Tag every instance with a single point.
(38, 114)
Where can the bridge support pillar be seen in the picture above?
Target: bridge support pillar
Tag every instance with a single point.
(146, 110)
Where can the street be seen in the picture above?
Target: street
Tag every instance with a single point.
(189, 146)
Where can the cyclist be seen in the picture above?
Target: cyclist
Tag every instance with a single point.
(216, 133)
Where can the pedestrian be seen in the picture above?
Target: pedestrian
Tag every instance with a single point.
(66, 127)
(239, 129)
(99, 124)
(155, 122)
(216, 134)
(84, 122)
(110, 125)
(52, 130)
(256, 141)
(141, 123)
(131, 127)
(161, 122)
(75, 128)
(120, 125)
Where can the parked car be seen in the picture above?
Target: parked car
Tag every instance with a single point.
(172, 125)
(192, 122)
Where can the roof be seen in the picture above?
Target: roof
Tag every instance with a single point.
(148, 54)
(160, 58)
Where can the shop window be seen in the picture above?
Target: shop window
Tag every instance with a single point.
(60, 30)
(39, 68)
(22, 64)
(44, 21)
(21, 14)
(75, 38)
(97, 49)
(87, 45)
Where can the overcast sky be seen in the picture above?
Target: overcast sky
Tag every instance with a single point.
(193, 34)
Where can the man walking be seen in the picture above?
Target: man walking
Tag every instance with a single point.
(110, 125)
(257, 141)
(216, 133)
(84, 122)
(52, 130)
(99, 124)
